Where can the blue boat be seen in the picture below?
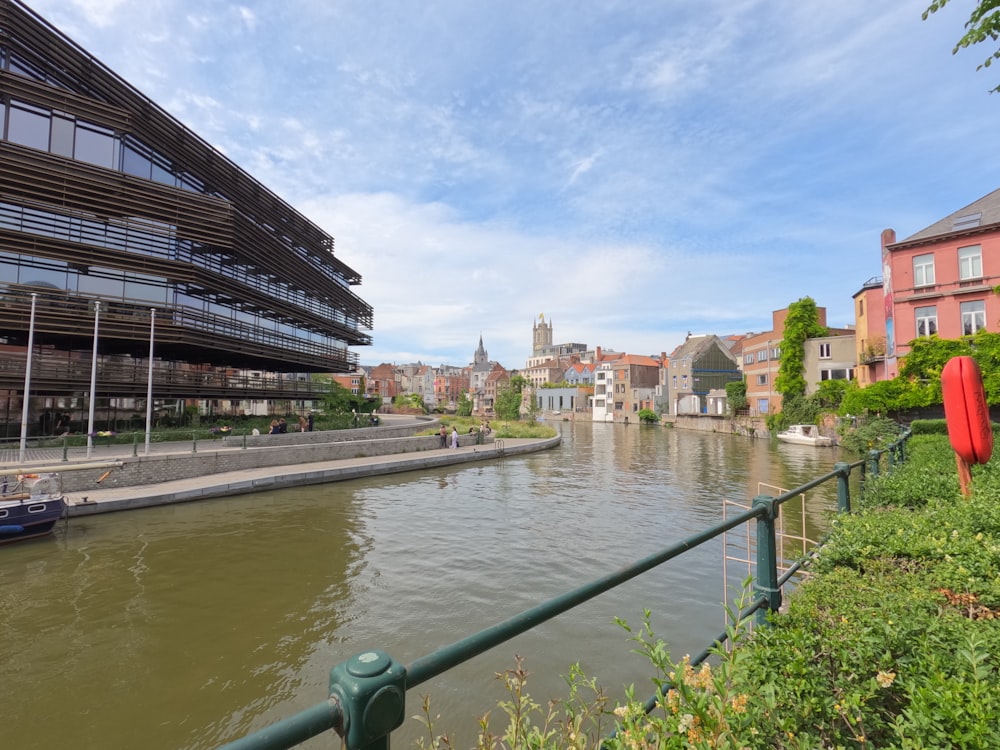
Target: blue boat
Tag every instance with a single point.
(30, 505)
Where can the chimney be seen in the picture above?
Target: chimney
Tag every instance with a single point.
(597, 354)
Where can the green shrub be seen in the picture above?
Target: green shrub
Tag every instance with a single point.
(873, 433)
(929, 427)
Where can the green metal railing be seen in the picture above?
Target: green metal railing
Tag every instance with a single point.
(367, 693)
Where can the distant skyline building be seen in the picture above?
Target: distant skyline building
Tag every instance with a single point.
(542, 348)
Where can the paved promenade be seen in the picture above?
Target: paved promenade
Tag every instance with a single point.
(105, 500)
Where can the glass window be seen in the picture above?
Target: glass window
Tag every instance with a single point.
(973, 316)
(762, 379)
(161, 171)
(970, 262)
(28, 126)
(149, 288)
(926, 318)
(62, 136)
(95, 145)
(8, 271)
(190, 182)
(102, 286)
(136, 160)
(845, 374)
(923, 270)
(825, 351)
(19, 65)
(762, 406)
(44, 277)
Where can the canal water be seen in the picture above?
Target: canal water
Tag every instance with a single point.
(191, 625)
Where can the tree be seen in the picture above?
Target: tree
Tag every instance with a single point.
(982, 24)
(337, 399)
(410, 401)
(736, 396)
(830, 394)
(464, 406)
(802, 323)
(510, 397)
(508, 402)
(648, 415)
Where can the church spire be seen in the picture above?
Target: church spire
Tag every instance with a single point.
(480, 357)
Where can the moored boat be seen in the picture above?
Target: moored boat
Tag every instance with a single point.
(804, 434)
(30, 505)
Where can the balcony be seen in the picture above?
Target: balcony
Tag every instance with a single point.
(873, 352)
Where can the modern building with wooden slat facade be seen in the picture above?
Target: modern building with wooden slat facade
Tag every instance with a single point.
(104, 197)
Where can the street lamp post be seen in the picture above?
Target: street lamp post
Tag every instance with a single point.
(27, 381)
(93, 381)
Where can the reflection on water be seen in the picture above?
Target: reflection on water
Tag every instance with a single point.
(191, 625)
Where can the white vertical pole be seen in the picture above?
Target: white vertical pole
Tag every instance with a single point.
(93, 381)
(149, 384)
(27, 381)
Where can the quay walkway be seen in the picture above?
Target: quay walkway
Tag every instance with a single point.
(104, 499)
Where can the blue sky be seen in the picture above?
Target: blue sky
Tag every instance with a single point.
(632, 170)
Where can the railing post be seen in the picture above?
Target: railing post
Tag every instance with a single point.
(767, 558)
(65, 448)
(371, 690)
(194, 442)
(135, 443)
(244, 439)
(873, 463)
(843, 470)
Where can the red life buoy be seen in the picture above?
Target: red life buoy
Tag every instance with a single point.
(969, 428)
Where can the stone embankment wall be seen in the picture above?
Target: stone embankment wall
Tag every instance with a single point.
(744, 426)
(263, 450)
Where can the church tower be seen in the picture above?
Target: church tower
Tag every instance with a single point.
(480, 357)
(542, 336)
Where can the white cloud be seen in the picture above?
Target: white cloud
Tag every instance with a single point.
(635, 170)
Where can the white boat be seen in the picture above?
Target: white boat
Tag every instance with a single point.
(804, 434)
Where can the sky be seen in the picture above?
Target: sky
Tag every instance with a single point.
(633, 170)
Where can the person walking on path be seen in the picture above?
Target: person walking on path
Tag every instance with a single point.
(444, 436)
(454, 437)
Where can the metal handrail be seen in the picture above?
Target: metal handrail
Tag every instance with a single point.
(367, 692)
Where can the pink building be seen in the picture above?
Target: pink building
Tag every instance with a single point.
(940, 280)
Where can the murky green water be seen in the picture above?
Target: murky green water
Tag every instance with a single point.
(192, 625)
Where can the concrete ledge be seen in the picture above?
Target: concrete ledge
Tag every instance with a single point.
(261, 478)
(221, 459)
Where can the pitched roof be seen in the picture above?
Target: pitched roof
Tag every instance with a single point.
(977, 215)
(637, 359)
(695, 346)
